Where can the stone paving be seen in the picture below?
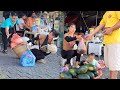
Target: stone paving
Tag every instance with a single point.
(11, 69)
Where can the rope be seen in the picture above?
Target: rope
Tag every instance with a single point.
(84, 20)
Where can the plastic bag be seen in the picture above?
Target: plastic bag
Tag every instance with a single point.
(81, 47)
(52, 48)
(16, 40)
(27, 59)
(75, 47)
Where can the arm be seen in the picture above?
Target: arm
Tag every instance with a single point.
(7, 25)
(69, 39)
(97, 29)
(19, 26)
(75, 38)
(7, 31)
(100, 73)
(116, 26)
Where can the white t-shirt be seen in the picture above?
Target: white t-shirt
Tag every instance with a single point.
(21, 24)
(95, 63)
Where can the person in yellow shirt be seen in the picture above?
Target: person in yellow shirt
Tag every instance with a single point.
(110, 23)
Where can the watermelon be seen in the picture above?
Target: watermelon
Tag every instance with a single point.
(91, 74)
(83, 76)
(82, 69)
(65, 75)
(81, 63)
(91, 67)
(95, 73)
(73, 72)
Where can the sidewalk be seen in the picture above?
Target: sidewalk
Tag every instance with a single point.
(11, 69)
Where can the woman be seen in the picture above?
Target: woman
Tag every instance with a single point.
(68, 43)
(22, 24)
(8, 30)
(30, 21)
(41, 51)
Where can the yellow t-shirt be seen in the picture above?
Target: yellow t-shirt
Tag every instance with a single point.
(110, 18)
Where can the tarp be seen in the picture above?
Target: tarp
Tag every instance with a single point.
(71, 19)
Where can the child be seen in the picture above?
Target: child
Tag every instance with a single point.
(91, 60)
(35, 28)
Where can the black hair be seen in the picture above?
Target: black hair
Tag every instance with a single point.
(6, 14)
(22, 14)
(14, 14)
(72, 24)
(91, 54)
(55, 33)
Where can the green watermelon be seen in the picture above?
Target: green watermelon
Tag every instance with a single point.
(82, 69)
(65, 75)
(95, 73)
(73, 72)
(91, 67)
(83, 76)
(91, 74)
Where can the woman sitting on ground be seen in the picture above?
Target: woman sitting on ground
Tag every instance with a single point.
(40, 51)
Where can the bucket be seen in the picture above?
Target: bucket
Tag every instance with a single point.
(20, 49)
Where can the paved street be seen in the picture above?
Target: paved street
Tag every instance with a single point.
(11, 69)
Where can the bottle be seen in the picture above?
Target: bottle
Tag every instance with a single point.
(86, 33)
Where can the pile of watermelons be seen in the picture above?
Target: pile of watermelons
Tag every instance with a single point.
(87, 71)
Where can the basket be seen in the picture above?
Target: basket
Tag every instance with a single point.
(20, 49)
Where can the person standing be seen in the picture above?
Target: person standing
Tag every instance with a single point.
(110, 23)
(7, 29)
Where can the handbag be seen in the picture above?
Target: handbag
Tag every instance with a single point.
(81, 47)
